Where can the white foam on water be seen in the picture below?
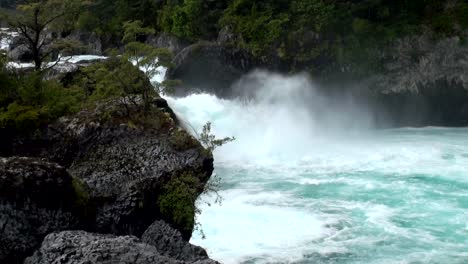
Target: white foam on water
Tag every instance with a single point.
(80, 58)
(6, 36)
(256, 229)
(304, 178)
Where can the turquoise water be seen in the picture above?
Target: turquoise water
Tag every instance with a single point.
(298, 190)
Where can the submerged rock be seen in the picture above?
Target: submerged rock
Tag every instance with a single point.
(73, 247)
(36, 198)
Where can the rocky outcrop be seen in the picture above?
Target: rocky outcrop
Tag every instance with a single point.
(91, 42)
(73, 247)
(211, 67)
(21, 53)
(424, 82)
(167, 41)
(129, 160)
(129, 170)
(126, 162)
(169, 242)
(36, 198)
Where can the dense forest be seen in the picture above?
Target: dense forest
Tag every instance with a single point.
(289, 29)
(298, 31)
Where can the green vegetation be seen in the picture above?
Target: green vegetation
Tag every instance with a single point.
(181, 140)
(305, 33)
(319, 35)
(177, 200)
(33, 21)
(24, 107)
(316, 35)
(28, 101)
(209, 140)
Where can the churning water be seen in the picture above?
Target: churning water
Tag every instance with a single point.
(309, 181)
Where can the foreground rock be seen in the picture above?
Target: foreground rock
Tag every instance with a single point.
(36, 198)
(73, 247)
(169, 242)
(130, 161)
(139, 167)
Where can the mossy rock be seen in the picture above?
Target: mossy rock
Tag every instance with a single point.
(177, 201)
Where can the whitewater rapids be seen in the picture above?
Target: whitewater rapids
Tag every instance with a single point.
(308, 180)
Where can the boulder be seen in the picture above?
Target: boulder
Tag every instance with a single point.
(73, 247)
(20, 53)
(92, 44)
(210, 67)
(169, 243)
(132, 163)
(36, 198)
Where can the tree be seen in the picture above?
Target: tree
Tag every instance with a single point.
(34, 22)
(147, 58)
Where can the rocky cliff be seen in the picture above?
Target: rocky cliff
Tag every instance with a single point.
(111, 169)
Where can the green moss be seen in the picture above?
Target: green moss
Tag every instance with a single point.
(82, 198)
(177, 201)
(182, 140)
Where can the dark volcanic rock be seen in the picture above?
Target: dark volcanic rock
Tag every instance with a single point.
(126, 159)
(36, 198)
(210, 67)
(73, 247)
(170, 243)
(125, 164)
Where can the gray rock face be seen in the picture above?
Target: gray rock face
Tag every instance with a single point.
(91, 42)
(77, 247)
(165, 40)
(226, 36)
(20, 53)
(425, 82)
(73, 247)
(126, 162)
(170, 243)
(417, 62)
(125, 167)
(211, 67)
(36, 198)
